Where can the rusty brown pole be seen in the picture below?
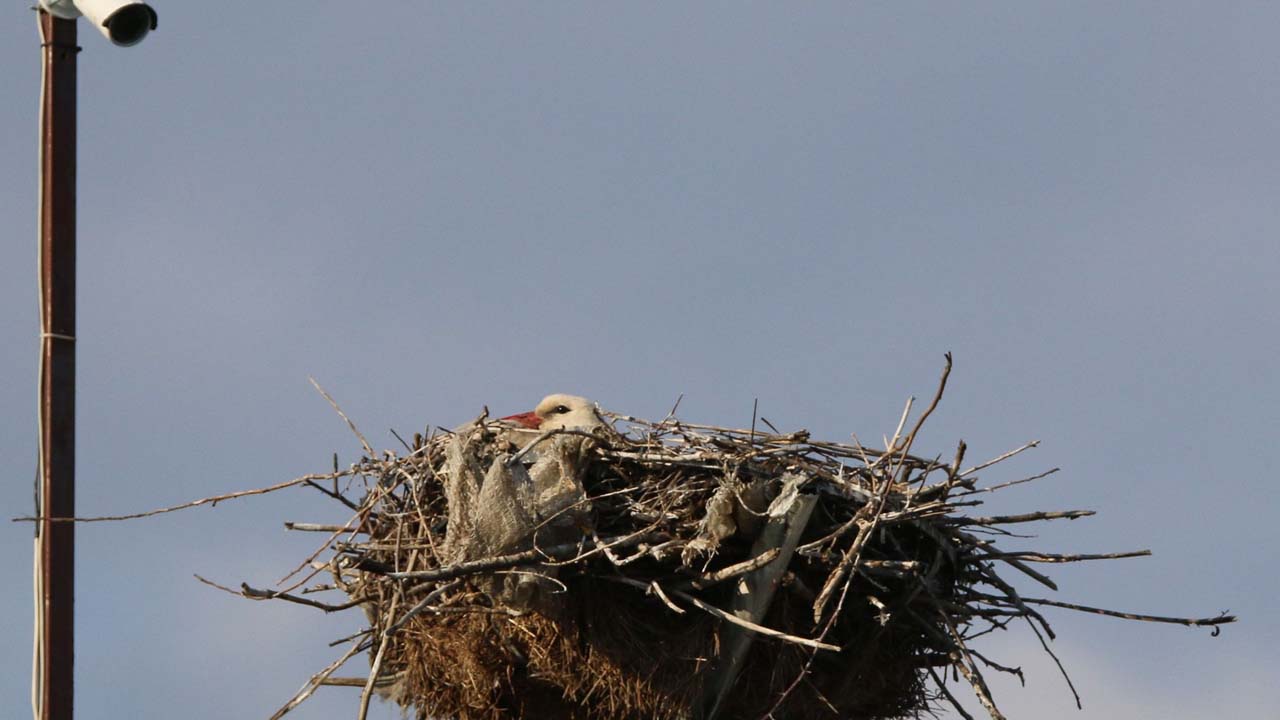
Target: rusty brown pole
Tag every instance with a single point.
(57, 366)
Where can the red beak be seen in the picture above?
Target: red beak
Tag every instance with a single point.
(527, 419)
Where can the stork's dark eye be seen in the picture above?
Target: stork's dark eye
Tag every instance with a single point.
(561, 409)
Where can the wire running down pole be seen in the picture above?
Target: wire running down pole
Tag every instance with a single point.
(54, 689)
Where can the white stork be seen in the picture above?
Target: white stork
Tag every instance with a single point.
(560, 412)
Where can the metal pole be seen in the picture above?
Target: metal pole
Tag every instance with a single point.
(57, 366)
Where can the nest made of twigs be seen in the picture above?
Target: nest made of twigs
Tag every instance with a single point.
(671, 570)
(670, 521)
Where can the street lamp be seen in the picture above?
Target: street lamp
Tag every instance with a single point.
(124, 23)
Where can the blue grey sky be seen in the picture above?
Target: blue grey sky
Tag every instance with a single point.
(434, 207)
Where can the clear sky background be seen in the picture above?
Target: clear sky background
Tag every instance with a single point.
(434, 207)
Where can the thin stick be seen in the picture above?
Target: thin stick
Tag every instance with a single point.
(346, 528)
(755, 407)
(1056, 661)
(708, 579)
(731, 618)
(382, 680)
(336, 495)
(422, 605)
(334, 404)
(546, 434)
(406, 445)
(1221, 619)
(1014, 597)
(1025, 517)
(891, 444)
(1030, 556)
(947, 693)
(1000, 458)
(377, 665)
(505, 561)
(937, 397)
(1012, 562)
(1011, 483)
(671, 414)
(256, 594)
(656, 589)
(847, 564)
(962, 661)
(316, 527)
(1029, 572)
(214, 500)
(316, 681)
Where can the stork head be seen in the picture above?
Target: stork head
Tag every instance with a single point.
(560, 411)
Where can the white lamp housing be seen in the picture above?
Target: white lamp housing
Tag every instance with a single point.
(123, 22)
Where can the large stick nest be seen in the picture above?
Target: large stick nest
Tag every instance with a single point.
(671, 570)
